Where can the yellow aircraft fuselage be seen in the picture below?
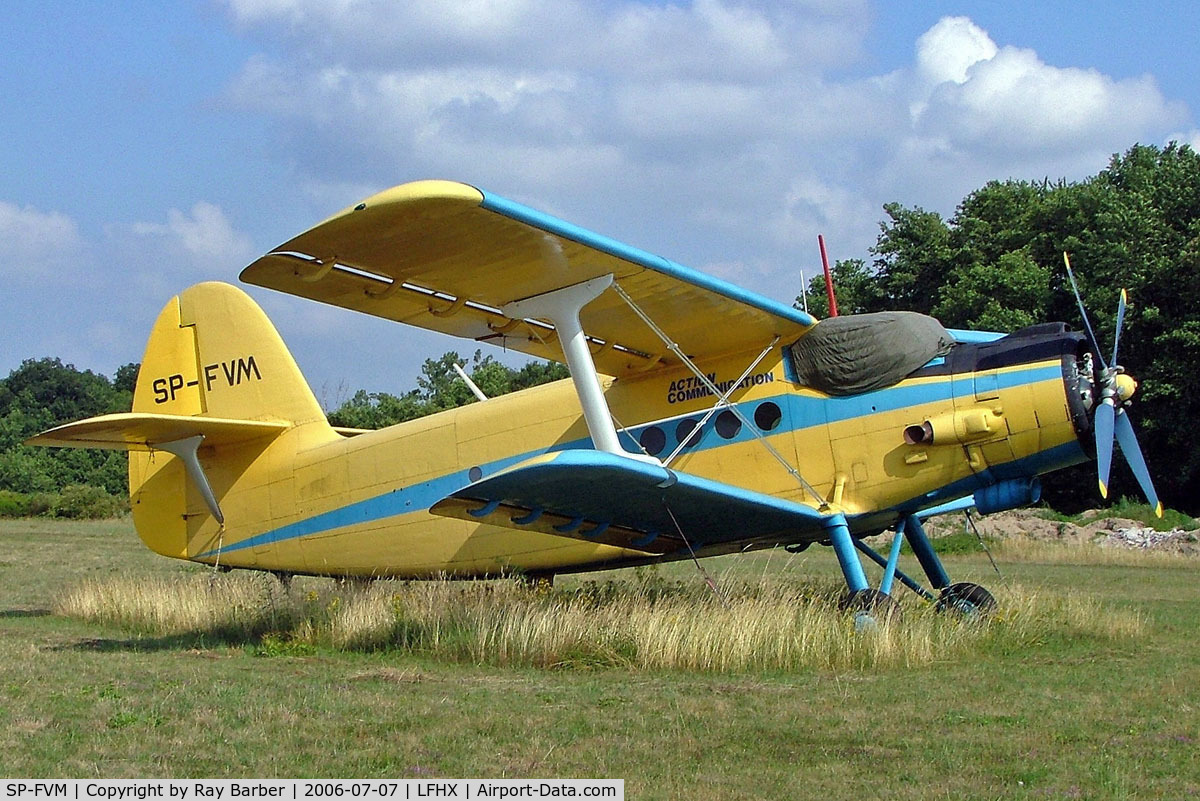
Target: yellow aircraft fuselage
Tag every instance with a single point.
(313, 500)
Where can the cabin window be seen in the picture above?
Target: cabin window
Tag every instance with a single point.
(767, 416)
(653, 440)
(687, 432)
(728, 424)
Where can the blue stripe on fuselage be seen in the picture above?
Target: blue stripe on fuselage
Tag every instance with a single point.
(799, 412)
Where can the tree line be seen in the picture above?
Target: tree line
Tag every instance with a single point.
(995, 264)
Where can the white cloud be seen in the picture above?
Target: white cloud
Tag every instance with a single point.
(1190, 138)
(983, 99)
(205, 239)
(708, 38)
(105, 289)
(729, 38)
(711, 131)
(951, 47)
(38, 244)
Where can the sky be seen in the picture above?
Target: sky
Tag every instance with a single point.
(146, 146)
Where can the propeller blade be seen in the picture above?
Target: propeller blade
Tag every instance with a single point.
(1087, 325)
(1104, 442)
(1120, 325)
(1127, 439)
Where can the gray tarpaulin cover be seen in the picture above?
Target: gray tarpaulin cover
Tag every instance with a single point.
(860, 352)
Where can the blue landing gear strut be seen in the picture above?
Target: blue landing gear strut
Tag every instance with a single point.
(869, 604)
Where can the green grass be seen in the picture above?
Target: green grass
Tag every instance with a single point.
(956, 543)
(1076, 710)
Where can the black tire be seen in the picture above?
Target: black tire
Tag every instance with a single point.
(967, 599)
(881, 606)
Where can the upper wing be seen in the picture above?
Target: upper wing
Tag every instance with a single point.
(447, 256)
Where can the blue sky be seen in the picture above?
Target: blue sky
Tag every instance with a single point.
(147, 146)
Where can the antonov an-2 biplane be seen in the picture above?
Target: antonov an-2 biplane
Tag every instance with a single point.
(699, 419)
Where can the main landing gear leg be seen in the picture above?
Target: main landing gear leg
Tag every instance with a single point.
(868, 605)
(871, 606)
(963, 597)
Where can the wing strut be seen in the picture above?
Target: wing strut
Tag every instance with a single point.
(722, 398)
(186, 449)
(562, 307)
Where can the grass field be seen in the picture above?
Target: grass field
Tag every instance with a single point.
(1070, 708)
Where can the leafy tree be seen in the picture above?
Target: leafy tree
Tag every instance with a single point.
(377, 410)
(1004, 296)
(531, 374)
(41, 394)
(439, 388)
(125, 379)
(913, 257)
(58, 389)
(857, 290)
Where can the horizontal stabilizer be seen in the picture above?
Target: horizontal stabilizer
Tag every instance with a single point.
(611, 499)
(135, 431)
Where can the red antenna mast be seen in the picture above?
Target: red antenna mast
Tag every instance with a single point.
(828, 277)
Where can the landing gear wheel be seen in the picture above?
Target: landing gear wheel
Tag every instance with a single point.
(969, 600)
(870, 608)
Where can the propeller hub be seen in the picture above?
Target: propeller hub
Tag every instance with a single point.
(1125, 386)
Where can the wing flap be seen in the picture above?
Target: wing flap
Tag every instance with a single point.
(603, 497)
(447, 257)
(135, 431)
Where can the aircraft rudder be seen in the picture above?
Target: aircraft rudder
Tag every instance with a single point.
(213, 352)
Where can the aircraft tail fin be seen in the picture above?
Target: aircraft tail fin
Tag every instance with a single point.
(214, 353)
(217, 387)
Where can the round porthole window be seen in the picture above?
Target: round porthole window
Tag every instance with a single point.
(687, 432)
(653, 440)
(767, 416)
(728, 424)
(475, 473)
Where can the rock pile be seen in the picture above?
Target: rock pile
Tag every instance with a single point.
(1148, 539)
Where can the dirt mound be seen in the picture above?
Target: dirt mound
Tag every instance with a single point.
(1105, 532)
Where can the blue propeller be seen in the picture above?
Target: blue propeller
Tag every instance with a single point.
(1112, 390)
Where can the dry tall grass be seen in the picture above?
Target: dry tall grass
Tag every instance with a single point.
(771, 625)
(226, 607)
(1028, 551)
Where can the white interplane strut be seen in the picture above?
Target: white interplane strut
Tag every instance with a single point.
(562, 307)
